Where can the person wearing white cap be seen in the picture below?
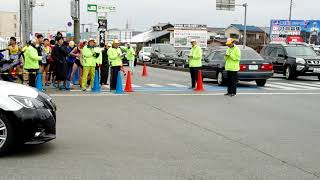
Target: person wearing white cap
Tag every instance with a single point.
(115, 58)
(31, 62)
(195, 62)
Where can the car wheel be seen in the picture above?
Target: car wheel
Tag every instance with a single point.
(220, 79)
(289, 73)
(6, 135)
(261, 82)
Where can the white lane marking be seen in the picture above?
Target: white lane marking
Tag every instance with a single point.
(154, 85)
(86, 95)
(136, 86)
(272, 85)
(295, 86)
(178, 85)
(222, 94)
(306, 84)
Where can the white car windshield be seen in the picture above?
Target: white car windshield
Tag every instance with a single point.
(300, 51)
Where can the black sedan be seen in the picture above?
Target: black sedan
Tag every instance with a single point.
(252, 66)
(26, 116)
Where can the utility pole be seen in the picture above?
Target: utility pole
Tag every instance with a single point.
(290, 13)
(245, 5)
(75, 14)
(25, 23)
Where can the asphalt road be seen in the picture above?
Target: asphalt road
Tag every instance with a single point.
(262, 134)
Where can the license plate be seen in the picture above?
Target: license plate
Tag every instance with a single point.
(316, 70)
(170, 61)
(253, 67)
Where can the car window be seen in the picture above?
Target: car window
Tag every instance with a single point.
(250, 54)
(280, 51)
(147, 50)
(218, 56)
(167, 49)
(300, 51)
(273, 52)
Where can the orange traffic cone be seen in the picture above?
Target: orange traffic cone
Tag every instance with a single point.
(199, 87)
(144, 72)
(128, 83)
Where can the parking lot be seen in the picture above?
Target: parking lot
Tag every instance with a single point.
(165, 131)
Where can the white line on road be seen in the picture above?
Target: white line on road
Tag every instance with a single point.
(306, 84)
(221, 94)
(86, 95)
(178, 85)
(272, 85)
(154, 85)
(295, 86)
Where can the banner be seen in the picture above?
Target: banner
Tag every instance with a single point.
(182, 38)
(308, 30)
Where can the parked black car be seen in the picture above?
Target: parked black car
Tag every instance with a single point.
(292, 60)
(163, 54)
(183, 59)
(252, 66)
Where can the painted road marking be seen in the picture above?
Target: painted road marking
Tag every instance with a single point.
(154, 85)
(222, 94)
(178, 85)
(306, 84)
(283, 87)
(296, 86)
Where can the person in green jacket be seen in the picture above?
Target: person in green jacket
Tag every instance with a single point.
(31, 62)
(232, 66)
(115, 58)
(195, 62)
(90, 58)
(130, 57)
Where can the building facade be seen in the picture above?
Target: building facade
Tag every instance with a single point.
(9, 24)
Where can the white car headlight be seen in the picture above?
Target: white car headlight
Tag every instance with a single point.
(28, 102)
(300, 61)
(162, 56)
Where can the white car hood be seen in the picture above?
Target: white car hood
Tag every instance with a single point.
(8, 88)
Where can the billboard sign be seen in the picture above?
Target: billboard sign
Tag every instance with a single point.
(308, 30)
(106, 8)
(225, 5)
(184, 33)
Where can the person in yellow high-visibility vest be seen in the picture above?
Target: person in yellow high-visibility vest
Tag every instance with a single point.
(90, 57)
(195, 62)
(130, 55)
(232, 66)
(115, 58)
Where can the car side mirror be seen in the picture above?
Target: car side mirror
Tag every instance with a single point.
(206, 60)
(156, 50)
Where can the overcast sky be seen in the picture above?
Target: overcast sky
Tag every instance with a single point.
(141, 14)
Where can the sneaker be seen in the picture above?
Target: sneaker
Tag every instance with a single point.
(227, 94)
(232, 95)
(84, 90)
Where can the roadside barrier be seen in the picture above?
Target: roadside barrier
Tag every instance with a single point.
(199, 87)
(128, 87)
(119, 88)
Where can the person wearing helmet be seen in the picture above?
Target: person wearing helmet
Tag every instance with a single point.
(195, 62)
(232, 66)
(31, 62)
(105, 65)
(115, 58)
(89, 61)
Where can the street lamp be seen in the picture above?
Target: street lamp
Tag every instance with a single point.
(33, 4)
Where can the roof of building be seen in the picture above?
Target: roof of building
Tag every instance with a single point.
(148, 36)
(240, 27)
(214, 29)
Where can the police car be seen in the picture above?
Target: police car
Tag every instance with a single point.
(26, 116)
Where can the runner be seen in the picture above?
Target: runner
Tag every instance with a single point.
(46, 53)
(77, 64)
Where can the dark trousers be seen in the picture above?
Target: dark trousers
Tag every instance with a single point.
(194, 75)
(232, 82)
(104, 73)
(32, 77)
(114, 76)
